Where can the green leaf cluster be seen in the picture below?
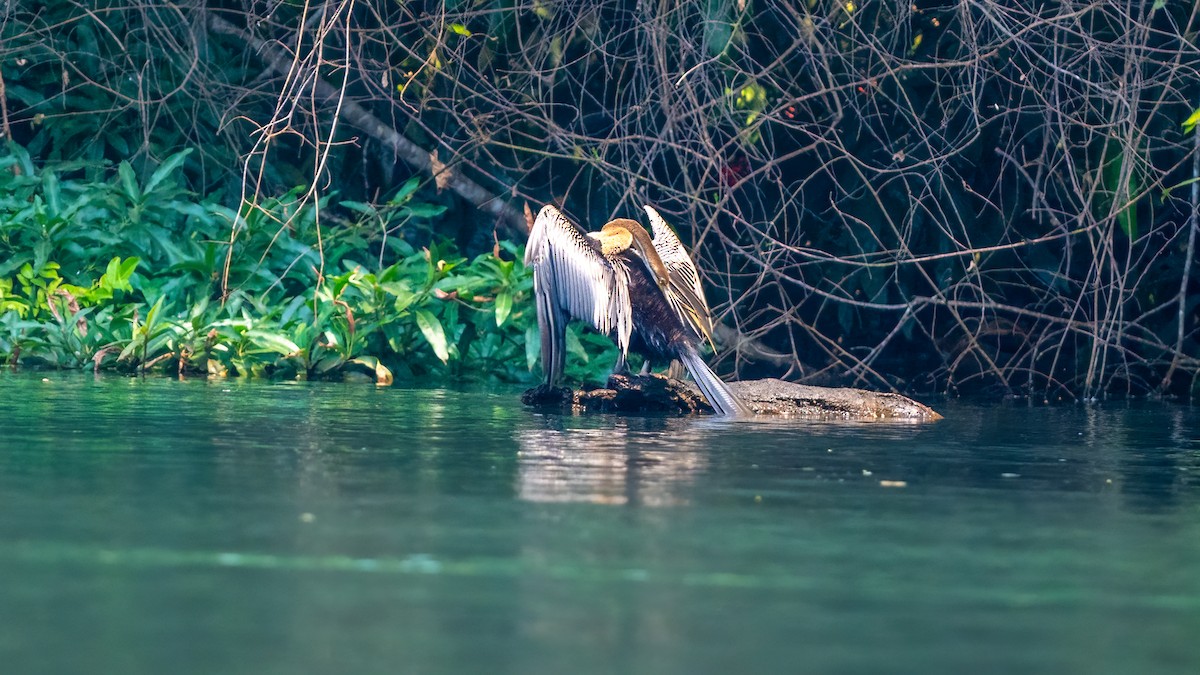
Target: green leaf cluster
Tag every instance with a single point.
(134, 274)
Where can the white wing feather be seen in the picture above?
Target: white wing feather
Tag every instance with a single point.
(573, 280)
(684, 279)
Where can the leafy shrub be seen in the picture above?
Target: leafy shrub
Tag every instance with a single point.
(137, 275)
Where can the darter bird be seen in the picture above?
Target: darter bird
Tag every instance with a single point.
(642, 293)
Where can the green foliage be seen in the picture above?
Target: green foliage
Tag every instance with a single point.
(126, 273)
(1120, 182)
(104, 82)
(1189, 125)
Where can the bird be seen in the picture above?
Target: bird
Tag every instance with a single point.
(643, 293)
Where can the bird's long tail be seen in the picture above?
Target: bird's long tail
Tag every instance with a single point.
(719, 395)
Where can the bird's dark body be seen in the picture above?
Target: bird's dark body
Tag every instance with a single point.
(658, 332)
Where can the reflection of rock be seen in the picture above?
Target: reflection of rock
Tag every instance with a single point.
(655, 393)
(646, 462)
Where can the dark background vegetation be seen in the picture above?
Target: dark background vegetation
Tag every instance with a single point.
(967, 197)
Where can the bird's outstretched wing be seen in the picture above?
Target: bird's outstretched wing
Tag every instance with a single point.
(573, 280)
(686, 296)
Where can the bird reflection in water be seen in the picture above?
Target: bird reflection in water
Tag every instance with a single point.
(643, 461)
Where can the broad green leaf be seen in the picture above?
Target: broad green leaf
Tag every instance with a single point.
(410, 186)
(575, 347)
(152, 315)
(50, 188)
(50, 270)
(8, 266)
(327, 364)
(112, 271)
(404, 297)
(297, 303)
(396, 288)
(503, 307)
(129, 349)
(533, 346)
(1165, 193)
(159, 344)
(1121, 181)
(116, 275)
(129, 182)
(431, 328)
(360, 207)
(273, 342)
(1190, 123)
(119, 142)
(1127, 220)
(165, 169)
(426, 210)
(128, 267)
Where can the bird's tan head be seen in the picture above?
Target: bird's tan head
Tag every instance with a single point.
(615, 237)
(622, 234)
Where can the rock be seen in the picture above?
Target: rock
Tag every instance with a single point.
(545, 395)
(624, 393)
(655, 393)
(776, 397)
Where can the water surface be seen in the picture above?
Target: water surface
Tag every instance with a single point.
(229, 527)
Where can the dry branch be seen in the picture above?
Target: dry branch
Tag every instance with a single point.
(414, 155)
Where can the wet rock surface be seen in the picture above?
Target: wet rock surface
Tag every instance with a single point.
(655, 393)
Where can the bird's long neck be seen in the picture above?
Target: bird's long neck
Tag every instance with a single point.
(634, 236)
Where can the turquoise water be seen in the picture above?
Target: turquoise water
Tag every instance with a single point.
(227, 527)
